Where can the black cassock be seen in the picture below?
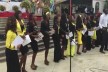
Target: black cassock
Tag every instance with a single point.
(56, 40)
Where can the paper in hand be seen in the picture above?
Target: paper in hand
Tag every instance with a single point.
(17, 41)
(70, 34)
(67, 37)
(96, 28)
(40, 36)
(52, 31)
(27, 40)
(90, 33)
(84, 31)
(73, 42)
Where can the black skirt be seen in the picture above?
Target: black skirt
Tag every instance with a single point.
(24, 49)
(34, 46)
(46, 41)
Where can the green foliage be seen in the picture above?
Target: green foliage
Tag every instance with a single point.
(25, 4)
(106, 4)
(2, 8)
(45, 0)
(32, 7)
(46, 9)
(15, 8)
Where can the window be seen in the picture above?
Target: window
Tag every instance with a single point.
(97, 7)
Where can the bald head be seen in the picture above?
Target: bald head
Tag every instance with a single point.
(105, 11)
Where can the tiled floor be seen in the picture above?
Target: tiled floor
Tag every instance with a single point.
(92, 61)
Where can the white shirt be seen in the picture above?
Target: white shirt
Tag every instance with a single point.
(103, 21)
(86, 10)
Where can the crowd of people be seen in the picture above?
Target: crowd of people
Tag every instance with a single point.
(83, 32)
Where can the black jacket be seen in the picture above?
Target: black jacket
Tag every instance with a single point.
(72, 29)
(31, 29)
(63, 24)
(45, 28)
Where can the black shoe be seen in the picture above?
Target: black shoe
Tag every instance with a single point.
(97, 46)
(56, 61)
(93, 47)
(23, 70)
(84, 51)
(88, 49)
(34, 67)
(106, 49)
(63, 58)
(72, 56)
(46, 62)
(102, 52)
(78, 53)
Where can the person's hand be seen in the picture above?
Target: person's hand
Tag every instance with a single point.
(19, 46)
(48, 32)
(90, 29)
(36, 36)
(30, 33)
(82, 28)
(67, 33)
(60, 40)
(62, 35)
(23, 37)
(104, 29)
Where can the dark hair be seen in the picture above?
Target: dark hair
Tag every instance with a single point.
(79, 22)
(104, 10)
(31, 16)
(55, 12)
(31, 19)
(44, 17)
(63, 17)
(11, 24)
(92, 17)
(17, 15)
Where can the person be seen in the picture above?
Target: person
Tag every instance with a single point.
(63, 32)
(12, 59)
(88, 36)
(103, 24)
(93, 24)
(21, 30)
(32, 30)
(98, 32)
(46, 39)
(79, 28)
(56, 38)
(84, 35)
(86, 10)
(72, 28)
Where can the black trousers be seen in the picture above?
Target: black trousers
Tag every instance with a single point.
(12, 60)
(64, 42)
(84, 39)
(88, 43)
(104, 42)
(99, 37)
(57, 47)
